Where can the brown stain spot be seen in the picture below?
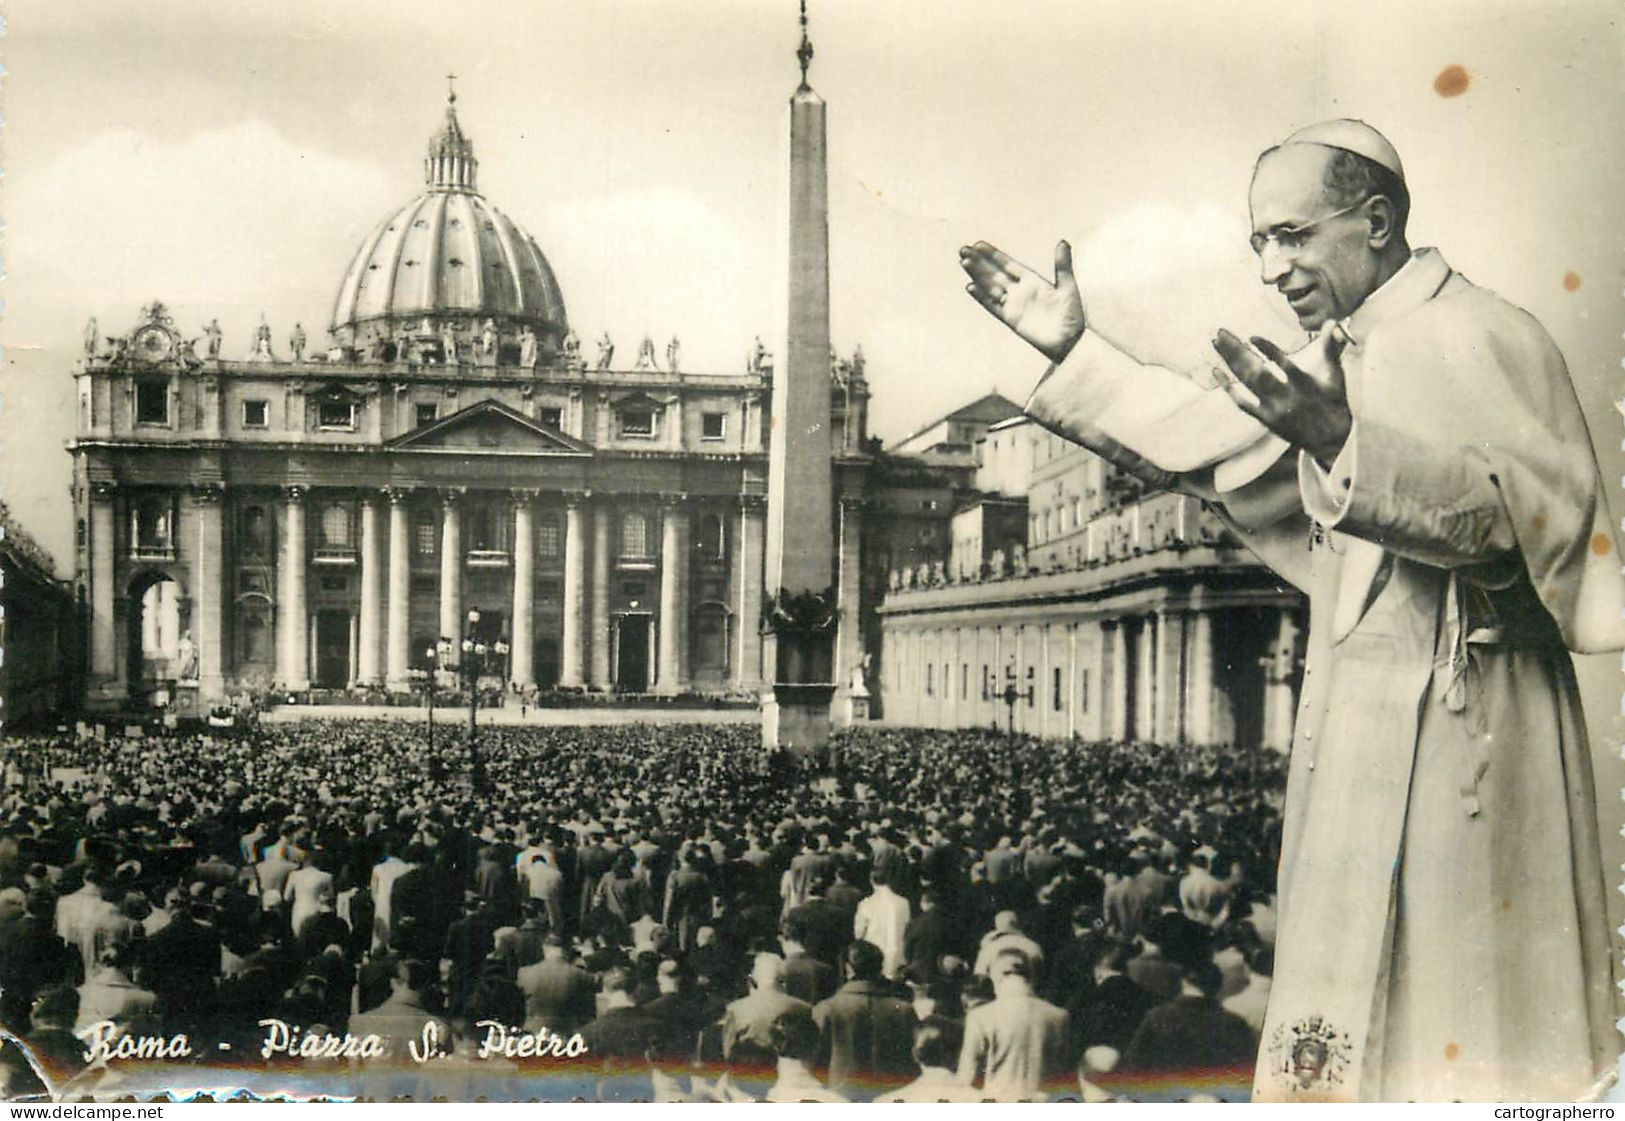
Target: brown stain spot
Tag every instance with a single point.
(1601, 543)
(1551, 595)
(1451, 82)
(1571, 281)
(1506, 904)
(1538, 521)
(1451, 1050)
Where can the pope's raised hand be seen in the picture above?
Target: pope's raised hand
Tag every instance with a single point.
(1306, 411)
(1047, 315)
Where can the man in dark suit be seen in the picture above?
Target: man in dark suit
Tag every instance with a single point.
(558, 994)
(688, 900)
(747, 1023)
(680, 1014)
(623, 1034)
(928, 936)
(1192, 1037)
(31, 957)
(805, 977)
(866, 1029)
(183, 963)
(826, 929)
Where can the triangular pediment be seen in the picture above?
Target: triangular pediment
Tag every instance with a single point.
(489, 428)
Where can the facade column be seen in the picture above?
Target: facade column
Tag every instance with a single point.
(849, 593)
(1170, 695)
(575, 597)
(208, 592)
(372, 595)
(598, 629)
(451, 566)
(522, 639)
(748, 574)
(1199, 703)
(103, 545)
(292, 617)
(1145, 681)
(1115, 696)
(398, 660)
(673, 672)
(1280, 671)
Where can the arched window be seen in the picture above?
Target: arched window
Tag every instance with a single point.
(488, 527)
(151, 526)
(255, 636)
(710, 537)
(336, 526)
(634, 537)
(256, 532)
(710, 639)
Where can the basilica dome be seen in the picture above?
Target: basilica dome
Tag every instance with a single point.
(449, 259)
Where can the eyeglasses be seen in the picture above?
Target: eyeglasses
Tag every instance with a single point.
(1289, 239)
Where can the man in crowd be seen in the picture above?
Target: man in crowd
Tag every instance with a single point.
(1018, 1047)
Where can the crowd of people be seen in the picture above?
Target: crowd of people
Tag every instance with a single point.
(638, 911)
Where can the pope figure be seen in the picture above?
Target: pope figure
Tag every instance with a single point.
(1422, 471)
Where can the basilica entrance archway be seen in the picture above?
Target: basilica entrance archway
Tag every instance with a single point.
(332, 650)
(633, 637)
(157, 646)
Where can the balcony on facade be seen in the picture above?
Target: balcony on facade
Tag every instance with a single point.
(1161, 523)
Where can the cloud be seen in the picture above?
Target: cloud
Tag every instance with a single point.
(223, 222)
(662, 261)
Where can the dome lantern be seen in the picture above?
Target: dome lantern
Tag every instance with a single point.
(451, 164)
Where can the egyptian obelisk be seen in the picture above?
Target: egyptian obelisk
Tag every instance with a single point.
(798, 653)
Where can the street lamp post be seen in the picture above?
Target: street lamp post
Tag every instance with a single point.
(477, 657)
(1010, 697)
(436, 657)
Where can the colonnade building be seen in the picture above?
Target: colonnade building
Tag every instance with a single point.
(1122, 615)
(281, 520)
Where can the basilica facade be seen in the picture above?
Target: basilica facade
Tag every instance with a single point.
(277, 520)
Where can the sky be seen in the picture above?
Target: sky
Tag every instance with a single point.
(228, 159)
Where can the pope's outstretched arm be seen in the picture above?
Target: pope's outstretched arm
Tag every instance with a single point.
(1152, 422)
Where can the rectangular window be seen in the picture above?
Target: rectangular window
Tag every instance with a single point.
(637, 422)
(426, 413)
(987, 693)
(1083, 690)
(333, 414)
(634, 537)
(256, 414)
(424, 532)
(547, 537)
(930, 669)
(964, 681)
(152, 401)
(551, 416)
(1056, 689)
(713, 426)
(1032, 686)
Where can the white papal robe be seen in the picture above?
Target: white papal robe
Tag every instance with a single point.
(1443, 930)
